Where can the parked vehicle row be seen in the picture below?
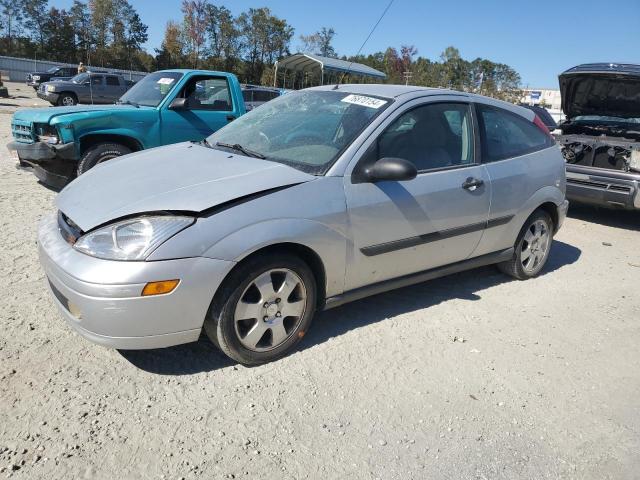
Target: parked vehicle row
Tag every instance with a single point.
(316, 198)
(88, 88)
(34, 79)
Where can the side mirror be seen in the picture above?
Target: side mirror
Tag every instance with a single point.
(391, 169)
(178, 104)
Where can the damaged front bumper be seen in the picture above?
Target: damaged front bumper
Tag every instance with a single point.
(53, 165)
(605, 188)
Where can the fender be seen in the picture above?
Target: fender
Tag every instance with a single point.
(328, 244)
(505, 236)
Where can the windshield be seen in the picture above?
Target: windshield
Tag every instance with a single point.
(152, 89)
(53, 69)
(80, 78)
(306, 130)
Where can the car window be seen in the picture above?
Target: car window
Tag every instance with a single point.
(152, 89)
(111, 80)
(209, 94)
(247, 95)
(96, 80)
(59, 73)
(506, 134)
(432, 136)
(262, 96)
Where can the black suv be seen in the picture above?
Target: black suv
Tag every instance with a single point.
(34, 79)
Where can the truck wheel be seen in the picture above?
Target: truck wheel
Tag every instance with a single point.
(262, 309)
(100, 153)
(67, 100)
(532, 247)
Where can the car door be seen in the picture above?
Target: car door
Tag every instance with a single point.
(113, 88)
(208, 106)
(438, 218)
(96, 90)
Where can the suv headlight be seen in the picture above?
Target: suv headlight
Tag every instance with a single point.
(132, 239)
(47, 133)
(35, 77)
(51, 88)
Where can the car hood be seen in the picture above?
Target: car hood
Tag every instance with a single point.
(184, 177)
(611, 94)
(45, 115)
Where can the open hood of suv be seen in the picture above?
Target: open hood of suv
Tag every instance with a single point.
(610, 90)
(184, 177)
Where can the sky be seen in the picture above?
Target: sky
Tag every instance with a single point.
(540, 38)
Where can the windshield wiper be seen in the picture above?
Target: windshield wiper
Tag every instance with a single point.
(128, 102)
(239, 148)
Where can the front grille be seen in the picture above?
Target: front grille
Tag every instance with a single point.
(69, 230)
(22, 131)
(601, 185)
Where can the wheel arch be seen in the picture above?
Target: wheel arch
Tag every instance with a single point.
(304, 252)
(91, 139)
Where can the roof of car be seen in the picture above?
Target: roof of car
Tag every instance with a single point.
(624, 68)
(408, 92)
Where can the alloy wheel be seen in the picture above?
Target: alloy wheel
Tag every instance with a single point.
(270, 309)
(535, 246)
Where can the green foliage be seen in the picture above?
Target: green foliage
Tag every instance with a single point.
(110, 33)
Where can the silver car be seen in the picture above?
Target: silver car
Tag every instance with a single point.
(315, 199)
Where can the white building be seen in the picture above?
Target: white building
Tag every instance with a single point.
(545, 97)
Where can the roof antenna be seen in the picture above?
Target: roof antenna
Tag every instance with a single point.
(363, 44)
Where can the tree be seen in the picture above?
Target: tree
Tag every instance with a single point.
(224, 37)
(36, 19)
(195, 24)
(319, 43)
(171, 52)
(60, 35)
(82, 28)
(11, 13)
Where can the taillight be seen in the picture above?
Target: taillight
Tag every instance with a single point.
(540, 124)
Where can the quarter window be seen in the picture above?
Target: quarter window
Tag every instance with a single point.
(506, 134)
(433, 136)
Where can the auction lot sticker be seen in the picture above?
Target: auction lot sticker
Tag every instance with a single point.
(165, 81)
(364, 101)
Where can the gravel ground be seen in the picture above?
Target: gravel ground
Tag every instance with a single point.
(473, 376)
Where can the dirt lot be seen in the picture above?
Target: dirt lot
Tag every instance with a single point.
(543, 380)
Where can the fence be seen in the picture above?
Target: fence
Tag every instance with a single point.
(16, 69)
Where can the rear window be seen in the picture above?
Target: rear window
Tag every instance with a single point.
(111, 80)
(506, 134)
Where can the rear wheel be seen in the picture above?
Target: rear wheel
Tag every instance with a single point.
(100, 153)
(532, 247)
(263, 309)
(67, 100)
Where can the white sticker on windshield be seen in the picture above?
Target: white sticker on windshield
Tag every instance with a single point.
(165, 81)
(364, 101)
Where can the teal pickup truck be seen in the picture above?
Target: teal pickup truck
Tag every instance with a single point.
(164, 107)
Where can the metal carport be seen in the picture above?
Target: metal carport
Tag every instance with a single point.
(305, 69)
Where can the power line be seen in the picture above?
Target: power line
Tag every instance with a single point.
(366, 40)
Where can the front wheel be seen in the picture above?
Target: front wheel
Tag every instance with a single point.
(67, 100)
(531, 248)
(100, 153)
(263, 309)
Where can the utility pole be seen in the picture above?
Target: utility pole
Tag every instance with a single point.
(407, 76)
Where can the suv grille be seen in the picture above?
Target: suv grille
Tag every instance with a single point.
(22, 131)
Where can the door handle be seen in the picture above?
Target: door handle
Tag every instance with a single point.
(472, 183)
(231, 118)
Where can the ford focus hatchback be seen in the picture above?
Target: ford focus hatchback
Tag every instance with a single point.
(317, 198)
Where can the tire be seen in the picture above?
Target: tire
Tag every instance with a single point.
(67, 100)
(99, 153)
(270, 330)
(527, 263)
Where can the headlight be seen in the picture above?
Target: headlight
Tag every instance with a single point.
(35, 77)
(47, 133)
(132, 239)
(51, 88)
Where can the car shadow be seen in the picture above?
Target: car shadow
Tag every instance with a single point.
(627, 219)
(202, 356)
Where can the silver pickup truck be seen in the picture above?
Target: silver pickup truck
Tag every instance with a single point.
(89, 88)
